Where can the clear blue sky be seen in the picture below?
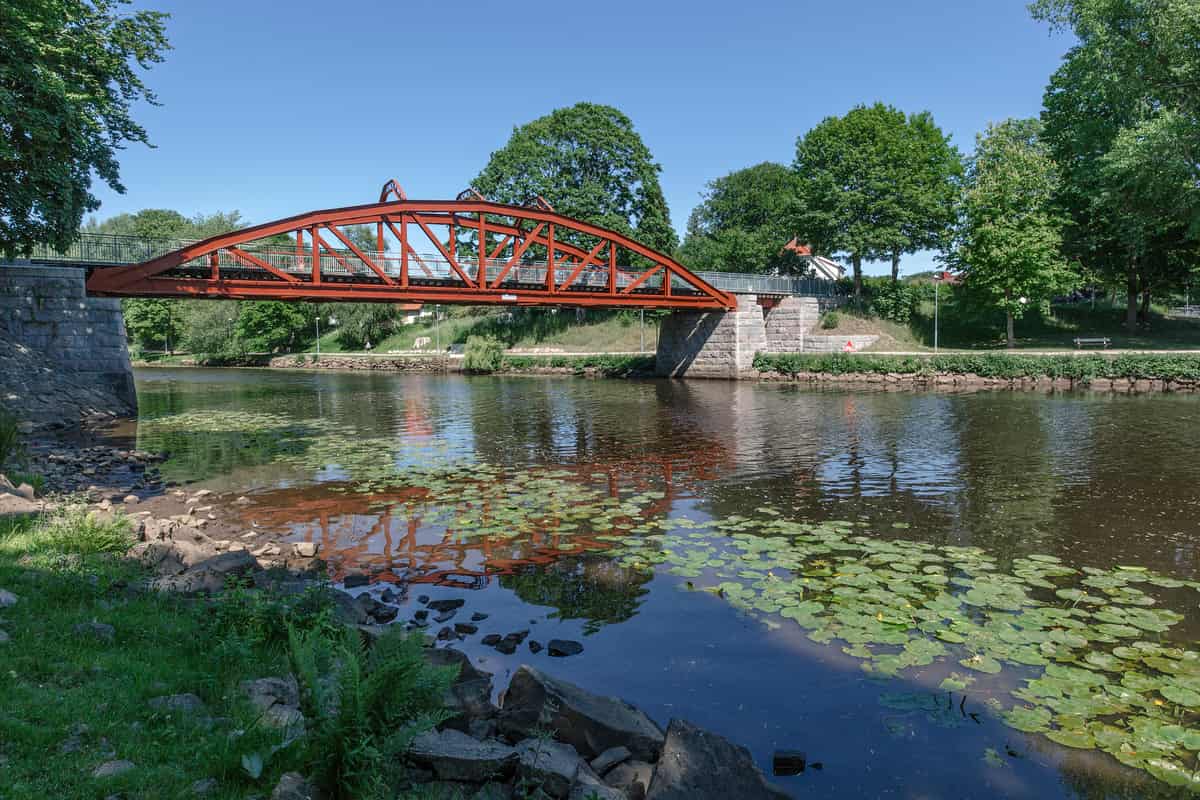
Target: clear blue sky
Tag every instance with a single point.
(277, 108)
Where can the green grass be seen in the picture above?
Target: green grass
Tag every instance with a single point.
(966, 329)
(72, 702)
(600, 332)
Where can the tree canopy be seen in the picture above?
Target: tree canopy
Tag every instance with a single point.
(1122, 118)
(875, 184)
(589, 163)
(1009, 242)
(744, 220)
(69, 72)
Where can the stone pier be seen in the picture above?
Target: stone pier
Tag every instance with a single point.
(788, 322)
(713, 344)
(63, 357)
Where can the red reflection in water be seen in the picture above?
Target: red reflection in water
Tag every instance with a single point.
(356, 535)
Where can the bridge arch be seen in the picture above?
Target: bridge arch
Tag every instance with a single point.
(469, 250)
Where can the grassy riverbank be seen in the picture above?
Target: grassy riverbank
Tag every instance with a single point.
(1082, 368)
(88, 653)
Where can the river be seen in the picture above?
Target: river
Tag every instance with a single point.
(845, 573)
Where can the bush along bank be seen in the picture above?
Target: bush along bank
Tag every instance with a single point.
(1125, 372)
(142, 659)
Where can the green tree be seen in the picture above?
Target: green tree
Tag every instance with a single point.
(1121, 117)
(744, 220)
(363, 323)
(270, 325)
(589, 163)
(1010, 237)
(153, 322)
(69, 72)
(876, 184)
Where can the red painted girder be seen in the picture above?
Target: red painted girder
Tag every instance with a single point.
(119, 279)
(239, 289)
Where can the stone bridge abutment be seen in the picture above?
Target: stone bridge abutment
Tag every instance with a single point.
(63, 357)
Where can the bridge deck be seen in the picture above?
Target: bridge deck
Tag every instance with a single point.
(93, 250)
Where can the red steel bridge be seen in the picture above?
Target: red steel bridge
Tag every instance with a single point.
(468, 250)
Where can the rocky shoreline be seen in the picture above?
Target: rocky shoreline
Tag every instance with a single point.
(544, 738)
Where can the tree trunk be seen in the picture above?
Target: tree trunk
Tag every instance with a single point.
(895, 265)
(1131, 300)
(856, 260)
(1008, 319)
(1144, 311)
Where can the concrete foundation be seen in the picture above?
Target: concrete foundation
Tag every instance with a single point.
(63, 356)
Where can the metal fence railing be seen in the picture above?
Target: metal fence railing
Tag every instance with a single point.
(102, 250)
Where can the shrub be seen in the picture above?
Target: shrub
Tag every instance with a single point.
(892, 300)
(483, 354)
(830, 320)
(365, 709)
(72, 530)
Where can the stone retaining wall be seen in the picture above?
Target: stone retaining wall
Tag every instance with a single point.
(960, 380)
(430, 363)
(62, 354)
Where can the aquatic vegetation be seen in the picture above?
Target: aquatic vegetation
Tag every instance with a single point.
(1081, 655)
(1087, 645)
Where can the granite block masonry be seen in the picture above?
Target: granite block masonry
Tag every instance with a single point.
(711, 344)
(63, 357)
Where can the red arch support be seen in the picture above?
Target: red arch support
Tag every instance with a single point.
(467, 251)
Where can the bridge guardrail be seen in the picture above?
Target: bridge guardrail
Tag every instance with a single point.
(102, 249)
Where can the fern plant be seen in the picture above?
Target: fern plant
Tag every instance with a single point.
(365, 708)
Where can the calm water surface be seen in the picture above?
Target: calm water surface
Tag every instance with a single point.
(1095, 480)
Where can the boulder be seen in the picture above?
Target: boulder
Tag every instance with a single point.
(471, 693)
(7, 599)
(26, 491)
(4, 638)
(581, 790)
(347, 610)
(169, 557)
(204, 787)
(278, 700)
(306, 549)
(293, 786)
(560, 648)
(588, 722)
(447, 605)
(208, 576)
(184, 704)
(452, 755)
(631, 777)
(494, 791)
(553, 766)
(110, 768)
(609, 759)
(14, 505)
(698, 763)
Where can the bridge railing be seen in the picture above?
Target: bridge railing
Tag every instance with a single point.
(102, 250)
(107, 250)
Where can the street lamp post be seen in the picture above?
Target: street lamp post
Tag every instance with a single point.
(317, 322)
(936, 283)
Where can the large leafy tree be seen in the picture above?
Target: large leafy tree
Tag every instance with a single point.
(589, 163)
(156, 322)
(1122, 117)
(744, 220)
(69, 72)
(876, 184)
(1010, 239)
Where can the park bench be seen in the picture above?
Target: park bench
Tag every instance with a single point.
(1098, 341)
